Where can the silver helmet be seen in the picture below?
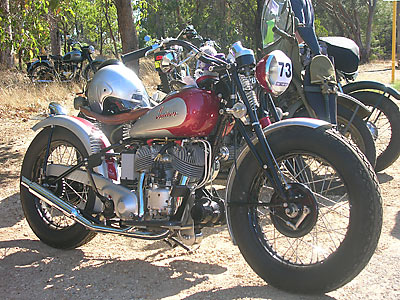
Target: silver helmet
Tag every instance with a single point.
(116, 82)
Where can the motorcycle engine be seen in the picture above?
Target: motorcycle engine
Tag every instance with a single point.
(161, 167)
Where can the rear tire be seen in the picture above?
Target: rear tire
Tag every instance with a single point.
(347, 225)
(42, 73)
(51, 226)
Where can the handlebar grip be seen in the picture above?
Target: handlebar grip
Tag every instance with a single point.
(282, 33)
(135, 55)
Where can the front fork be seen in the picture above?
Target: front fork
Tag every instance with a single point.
(266, 158)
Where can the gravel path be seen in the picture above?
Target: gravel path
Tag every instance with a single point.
(114, 267)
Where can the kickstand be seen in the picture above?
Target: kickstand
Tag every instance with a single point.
(173, 242)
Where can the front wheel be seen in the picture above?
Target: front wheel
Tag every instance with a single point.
(357, 132)
(90, 69)
(384, 122)
(325, 232)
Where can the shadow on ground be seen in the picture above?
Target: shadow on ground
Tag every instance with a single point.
(383, 178)
(52, 273)
(396, 229)
(11, 208)
(29, 267)
(9, 156)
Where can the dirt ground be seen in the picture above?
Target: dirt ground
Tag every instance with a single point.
(114, 267)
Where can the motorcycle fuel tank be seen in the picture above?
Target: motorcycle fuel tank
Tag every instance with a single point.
(73, 56)
(190, 112)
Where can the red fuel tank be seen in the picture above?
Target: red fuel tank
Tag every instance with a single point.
(190, 112)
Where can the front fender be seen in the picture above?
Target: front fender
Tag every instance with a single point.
(87, 133)
(370, 85)
(352, 104)
(303, 122)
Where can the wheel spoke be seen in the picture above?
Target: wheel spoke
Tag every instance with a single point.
(333, 217)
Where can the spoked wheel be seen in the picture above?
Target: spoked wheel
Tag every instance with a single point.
(357, 132)
(48, 223)
(384, 123)
(323, 233)
(42, 74)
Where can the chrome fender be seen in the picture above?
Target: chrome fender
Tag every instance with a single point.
(86, 133)
(304, 122)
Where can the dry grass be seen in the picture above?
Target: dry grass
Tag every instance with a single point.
(20, 98)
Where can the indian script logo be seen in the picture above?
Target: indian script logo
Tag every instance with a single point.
(162, 115)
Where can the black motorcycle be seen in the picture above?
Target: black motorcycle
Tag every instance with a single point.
(72, 66)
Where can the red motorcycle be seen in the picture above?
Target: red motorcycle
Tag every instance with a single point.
(299, 216)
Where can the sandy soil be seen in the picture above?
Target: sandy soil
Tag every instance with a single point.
(114, 267)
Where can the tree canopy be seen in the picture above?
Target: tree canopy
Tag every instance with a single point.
(36, 26)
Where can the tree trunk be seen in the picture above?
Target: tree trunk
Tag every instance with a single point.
(6, 54)
(127, 29)
(55, 36)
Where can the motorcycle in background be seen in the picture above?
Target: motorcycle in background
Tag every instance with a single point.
(299, 216)
(312, 94)
(72, 66)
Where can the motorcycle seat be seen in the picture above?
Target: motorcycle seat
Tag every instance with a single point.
(118, 119)
(56, 57)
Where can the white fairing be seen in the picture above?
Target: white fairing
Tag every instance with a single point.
(116, 81)
(159, 119)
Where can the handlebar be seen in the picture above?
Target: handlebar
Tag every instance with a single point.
(283, 34)
(135, 55)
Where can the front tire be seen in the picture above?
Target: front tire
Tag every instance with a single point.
(386, 119)
(339, 236)
(357, 132)
(50, 225)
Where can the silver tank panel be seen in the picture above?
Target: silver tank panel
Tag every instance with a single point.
(116, 81)
(156, 122)
(73, 56)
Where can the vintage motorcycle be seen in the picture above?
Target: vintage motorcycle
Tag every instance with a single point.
(71, 66)
(299, 216)
(383, 118)
(312, 94)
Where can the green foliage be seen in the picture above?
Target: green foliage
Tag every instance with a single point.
(221, 20)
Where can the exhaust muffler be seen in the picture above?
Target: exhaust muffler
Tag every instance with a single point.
(74, 213)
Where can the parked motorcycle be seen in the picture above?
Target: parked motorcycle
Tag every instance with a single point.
(299, 216)
(383, 118)
(314, 85)
(73, 65)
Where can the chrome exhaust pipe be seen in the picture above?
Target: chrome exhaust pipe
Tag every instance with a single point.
(74, 213)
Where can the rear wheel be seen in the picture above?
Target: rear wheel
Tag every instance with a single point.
(324, 234)
(42, 73)
(49, 224)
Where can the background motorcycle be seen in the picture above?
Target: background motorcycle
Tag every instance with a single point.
(72, 66)
(278, 27)
(383, 118)
(300, 217)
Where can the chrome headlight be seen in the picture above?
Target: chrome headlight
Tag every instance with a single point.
(91, 49)
(274, 72)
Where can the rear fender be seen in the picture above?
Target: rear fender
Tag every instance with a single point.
(39, 62)
(88, 134)
(372, 86)
(303, 122)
